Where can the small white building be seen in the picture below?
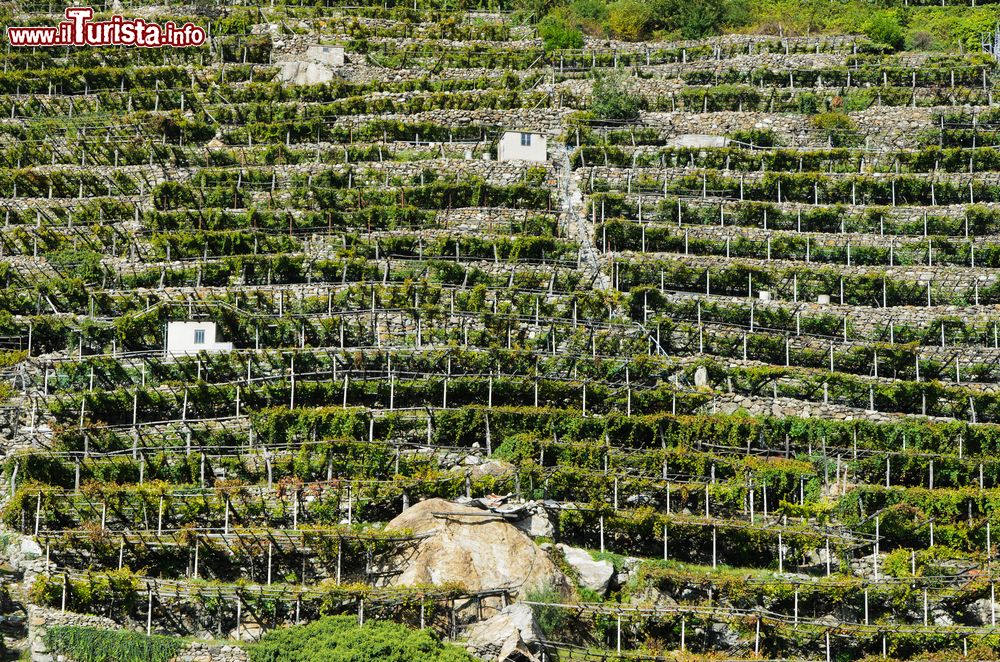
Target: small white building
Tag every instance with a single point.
(522, 146)
(193, 337)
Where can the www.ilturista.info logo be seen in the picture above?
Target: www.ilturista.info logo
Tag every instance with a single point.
(79, 30)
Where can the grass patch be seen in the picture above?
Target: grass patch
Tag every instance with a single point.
(89, 644)
(339, 639)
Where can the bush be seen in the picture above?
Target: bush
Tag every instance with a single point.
(630, 20)
(838, 128)
(339, 639)
(552, 621)
(700, 18)
(557, 32)
(860, 99)
(885, 29)
(922, 41)
(612, 100)
(808, 103)
(758, 137)
(77, 263)
(634, 20)
(88, 644)
(590, 10)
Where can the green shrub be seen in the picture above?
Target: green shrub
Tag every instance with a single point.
(77, 263)
(89, 644)
(758, 137)
(339, 639)
(631, 20)
(590, 10)
(922, 40)
(551, 620)
(808, 103)
(634, 20)
(612, 100)
(700, 18)
(855, 100)
(556, 32)
(838, 128)
(952, 26)
(885, 29)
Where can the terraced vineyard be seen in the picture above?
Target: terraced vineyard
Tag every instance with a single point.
(735, 333)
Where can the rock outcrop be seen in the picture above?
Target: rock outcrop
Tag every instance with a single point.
(595, 575)
(506, 637)
(470, 546)
(319, 64)
(536, 521)
(532, 517)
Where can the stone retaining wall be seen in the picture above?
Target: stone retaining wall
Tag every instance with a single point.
(39, 619)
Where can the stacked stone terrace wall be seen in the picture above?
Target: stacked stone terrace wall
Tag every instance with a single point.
(40, 619)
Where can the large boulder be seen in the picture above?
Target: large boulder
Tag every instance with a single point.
(478, 468)
(981, 611)
(595, 575)
(723, 635)
(536, 522)
(629, 570)
(532, 517)
(319, 64)
(305, 73)
(469, 546)
(24, 555)
(506, 637)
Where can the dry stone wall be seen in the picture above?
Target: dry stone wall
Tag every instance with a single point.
(40, 619)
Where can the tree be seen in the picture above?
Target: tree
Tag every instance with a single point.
(557, 32)
(612, 100)
(885, 29)
(631, 20)
(590, 10)
(701, 18)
